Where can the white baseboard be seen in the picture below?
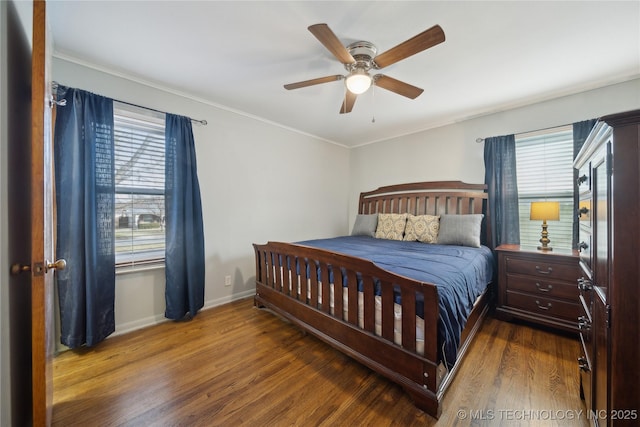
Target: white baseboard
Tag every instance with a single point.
(159, 318)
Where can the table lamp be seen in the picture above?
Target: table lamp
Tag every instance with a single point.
(545, 211)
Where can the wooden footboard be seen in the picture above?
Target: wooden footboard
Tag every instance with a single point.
(283, 286)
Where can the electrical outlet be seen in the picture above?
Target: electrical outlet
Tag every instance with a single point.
(227, 280)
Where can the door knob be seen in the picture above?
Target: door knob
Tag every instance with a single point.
(19, 268)
(59, 264)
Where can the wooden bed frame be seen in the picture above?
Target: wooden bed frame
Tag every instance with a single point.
(422, 376)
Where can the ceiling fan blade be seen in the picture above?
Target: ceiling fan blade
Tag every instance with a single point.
(347, 104)
(324, 34)
(416, 44)
(312, 82)
(401, 88)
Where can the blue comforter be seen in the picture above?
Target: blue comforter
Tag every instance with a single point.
(460, 273)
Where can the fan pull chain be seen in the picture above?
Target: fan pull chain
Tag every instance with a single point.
(373, 101)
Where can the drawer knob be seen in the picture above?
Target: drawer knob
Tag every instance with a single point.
(543, 307)
(583, 364)
(549, 270)
(548, 288)
(583, 211)
(583, 323)
(584, 284)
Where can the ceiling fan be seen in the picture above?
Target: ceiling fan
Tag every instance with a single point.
(360, 57)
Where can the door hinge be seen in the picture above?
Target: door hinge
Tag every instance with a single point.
(607, 315)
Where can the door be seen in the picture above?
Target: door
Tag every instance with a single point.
(601, 173)
(30, 215)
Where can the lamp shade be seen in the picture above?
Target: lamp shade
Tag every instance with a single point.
(545, 211)
(358, 81)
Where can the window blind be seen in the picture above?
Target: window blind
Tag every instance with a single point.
(544, 164)
(139, 181)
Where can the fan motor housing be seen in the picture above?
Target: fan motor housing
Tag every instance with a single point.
(363, 52)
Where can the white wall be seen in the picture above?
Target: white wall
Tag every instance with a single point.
(451, 152)
(258, 182)
(249, 170)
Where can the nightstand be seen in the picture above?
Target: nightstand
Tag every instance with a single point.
(538, 286)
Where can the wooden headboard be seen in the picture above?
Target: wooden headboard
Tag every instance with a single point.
(429, 198)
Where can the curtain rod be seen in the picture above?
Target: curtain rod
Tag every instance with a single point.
(479, 140)
(54, 86)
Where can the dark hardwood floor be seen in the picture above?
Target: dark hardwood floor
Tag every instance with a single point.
(239, 365)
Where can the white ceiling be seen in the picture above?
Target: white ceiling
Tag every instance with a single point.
(238, 55)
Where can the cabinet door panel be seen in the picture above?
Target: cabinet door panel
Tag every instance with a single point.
(601, 189)
(600, 360)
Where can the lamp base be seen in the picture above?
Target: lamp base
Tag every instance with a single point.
(545, 238)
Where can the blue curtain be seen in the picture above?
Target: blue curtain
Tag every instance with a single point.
(501, 179)
(184, 262)
(84, 165)
(581, 131)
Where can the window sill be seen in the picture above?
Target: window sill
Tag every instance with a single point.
(138, 268)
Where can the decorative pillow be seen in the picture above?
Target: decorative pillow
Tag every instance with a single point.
(423, 228)
(390, 226)
(463, 230)
(365, 225)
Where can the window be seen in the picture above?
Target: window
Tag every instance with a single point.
(544, 164)
(139, 181)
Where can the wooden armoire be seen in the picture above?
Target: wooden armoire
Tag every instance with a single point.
(608, 168)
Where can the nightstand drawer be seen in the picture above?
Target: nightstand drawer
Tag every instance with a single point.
(543, 287)
(544, 306)
(543, 269)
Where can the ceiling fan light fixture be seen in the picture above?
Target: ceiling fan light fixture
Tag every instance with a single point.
(358, 58)
(359, 81)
